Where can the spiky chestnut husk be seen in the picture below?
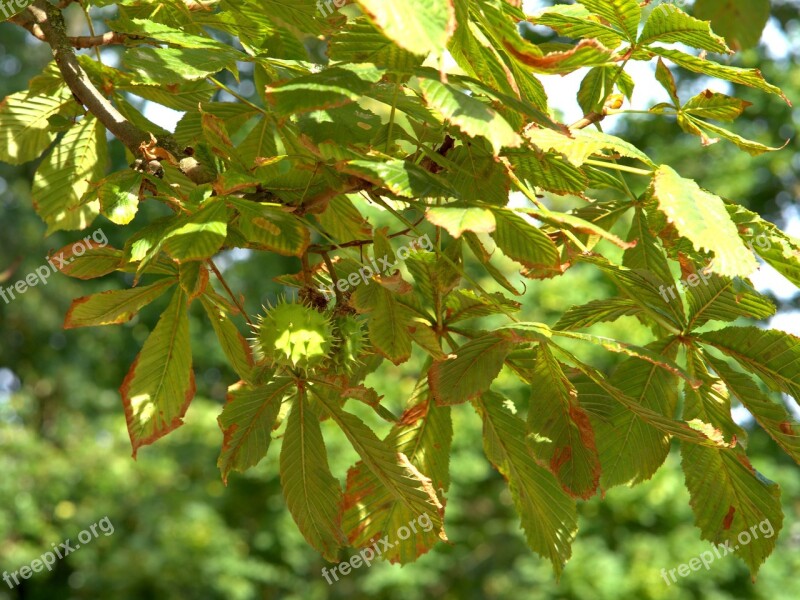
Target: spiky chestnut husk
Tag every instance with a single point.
(294, 335)
(350, 343)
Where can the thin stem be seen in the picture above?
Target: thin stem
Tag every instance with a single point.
(610, 165)
(91, 30)
(230, 292)
(236, 95)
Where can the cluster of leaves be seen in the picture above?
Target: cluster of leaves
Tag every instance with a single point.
(383, 122)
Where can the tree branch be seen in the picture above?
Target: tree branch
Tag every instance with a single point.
(80, 42)
(51, 22)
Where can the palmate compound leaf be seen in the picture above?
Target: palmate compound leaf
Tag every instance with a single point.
(700, 216)
(412, 490)
(730, 499)
(313, 495)
(247, 420)
(561, 434)
(548, 515)
(423, 434)
(160, 384)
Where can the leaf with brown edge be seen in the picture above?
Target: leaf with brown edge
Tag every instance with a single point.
(95, 260)
(313, 495)
(392, 477)
(160, 383)
(247, 420)
(562, 435)
(422, 438)
(470, 371)
(586, 53)
(113, 307)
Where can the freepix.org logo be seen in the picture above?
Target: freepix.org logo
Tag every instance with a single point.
(9, 8)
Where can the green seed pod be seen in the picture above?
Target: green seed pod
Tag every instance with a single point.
(350, 342)
(294, 335)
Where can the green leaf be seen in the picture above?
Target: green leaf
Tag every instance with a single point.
(405, 484)
(200, 235)
(24, 127)
(360, 42)
(749, 146)
(580, 144)
(525, 243)
(709, 104)
(66, 174)
(728, 496)
(176, 65)
(749, 77)
(548, 514)
(770, 354)
(271, 227)
(575, 21)
(456, 220)
(419, 26)
(423, 434)
(773, 417)
(118, 195)
(471, 372)
(113, 307)
(701, 217)
(668, 23)
(781, 251)
(247, 420)
(389, 320)
(400, 177)
(625, 14)
(313, 495)
(597, 311)
(470, 115)
(332, 87)
(740, 21)
(723, 299)
(562, 435)
(648, 254)
(631, 448)
(160, 383)
(233, 343)
(461, 305)
(643, 288)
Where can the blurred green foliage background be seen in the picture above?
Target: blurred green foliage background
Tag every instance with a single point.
(179, 533)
